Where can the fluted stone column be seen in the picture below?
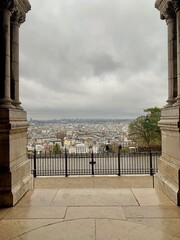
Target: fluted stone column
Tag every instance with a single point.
(172, 59)
(177, 9)
(16, 19)
(5, 14)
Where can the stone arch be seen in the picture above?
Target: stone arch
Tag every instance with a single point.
(15, 177)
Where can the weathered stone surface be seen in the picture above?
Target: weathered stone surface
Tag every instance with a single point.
(15, 177)
(168, 177)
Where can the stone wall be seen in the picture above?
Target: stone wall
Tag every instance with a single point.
(168, 177)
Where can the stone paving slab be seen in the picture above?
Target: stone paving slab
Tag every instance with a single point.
(38, 197)
(151, 196)
(171, 226)
(95, 212)
(90, 229)
(36, 212)
(91, 214)
(3, 212)
(70, 230)
(96, 230)
(9, 229)
(94, 197)
(152, 212)
(118, 229)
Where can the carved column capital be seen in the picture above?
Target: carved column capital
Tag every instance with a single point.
(167, 8)
(176, 5)
(18, 16)
(7, 5)
(168, 12)
(21, 7)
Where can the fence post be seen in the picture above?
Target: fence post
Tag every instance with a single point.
(119, 161)
(92, 161)
(150, 155)
(66, 174)
(34, 170)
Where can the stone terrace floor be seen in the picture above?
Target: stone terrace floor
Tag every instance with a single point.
(92, 209)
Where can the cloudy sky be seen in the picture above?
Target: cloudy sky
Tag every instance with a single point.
(92, 59)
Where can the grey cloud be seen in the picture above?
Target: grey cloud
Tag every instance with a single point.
(105, 56)
(103, 63)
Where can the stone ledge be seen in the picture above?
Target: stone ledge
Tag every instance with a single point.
(12, 114)
(170, 119)
(8, 198)
(168, 188)
(168, 178)
(144, 181)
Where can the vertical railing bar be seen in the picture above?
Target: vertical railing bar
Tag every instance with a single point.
(92, 160)
(34, 170)
(40, 160)
(66, 168)
(150, 155)
(119, 166)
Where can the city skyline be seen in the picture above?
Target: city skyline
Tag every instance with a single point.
(89, 59)
(76, 135)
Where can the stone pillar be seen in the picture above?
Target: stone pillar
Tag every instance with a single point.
(5, 14)
(172, 59)
(16, 20)
(15, 171)
(168, 177)
(177, 9)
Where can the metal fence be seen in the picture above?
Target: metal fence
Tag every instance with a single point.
(66, 164)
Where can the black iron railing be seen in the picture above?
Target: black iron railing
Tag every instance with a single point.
(65, 164)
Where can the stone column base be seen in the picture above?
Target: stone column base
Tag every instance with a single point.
(15, 170)
(168, 177)
(15, 184)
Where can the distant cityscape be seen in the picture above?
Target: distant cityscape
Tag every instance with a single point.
(77, 135)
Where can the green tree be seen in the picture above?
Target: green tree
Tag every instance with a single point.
(144, 130)
(56, 148)
(102, 148)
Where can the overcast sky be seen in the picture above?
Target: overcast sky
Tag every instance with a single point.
(92, 59)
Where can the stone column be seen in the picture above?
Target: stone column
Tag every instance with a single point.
(5, 14)
(177, 8)
(168, 176)
(15, 169)
(172, 59)
(16, 20)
